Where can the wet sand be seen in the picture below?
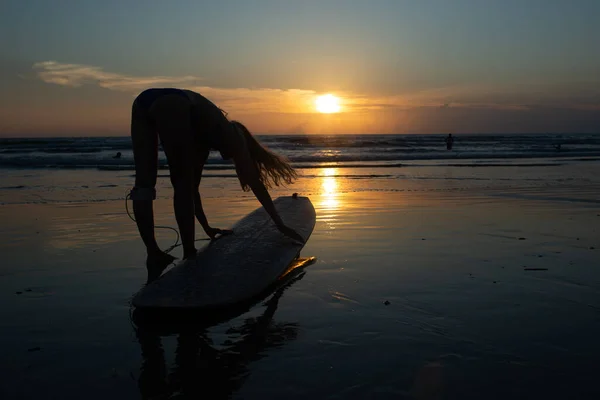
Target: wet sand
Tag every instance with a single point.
(420, 290)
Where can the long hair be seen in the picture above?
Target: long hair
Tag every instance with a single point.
(273, 169)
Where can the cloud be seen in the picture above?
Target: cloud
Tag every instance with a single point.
(240, 99)
(245, 100)
(76, 75)
(513, 97)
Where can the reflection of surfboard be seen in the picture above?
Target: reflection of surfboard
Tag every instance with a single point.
(237, 267)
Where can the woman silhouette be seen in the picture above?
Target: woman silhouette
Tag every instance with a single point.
(189, 126)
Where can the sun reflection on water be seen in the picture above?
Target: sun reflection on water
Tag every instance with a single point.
(329, 189)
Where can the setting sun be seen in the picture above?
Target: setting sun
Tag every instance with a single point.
(327, 104)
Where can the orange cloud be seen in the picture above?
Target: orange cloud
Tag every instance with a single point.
(240, 99)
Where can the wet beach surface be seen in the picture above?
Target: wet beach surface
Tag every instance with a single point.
(423, 288)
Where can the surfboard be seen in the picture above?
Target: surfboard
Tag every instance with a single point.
(237, 267)
(171, 321)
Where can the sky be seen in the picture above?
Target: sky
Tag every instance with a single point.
(73, 67)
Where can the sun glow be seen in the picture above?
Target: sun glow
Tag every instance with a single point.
(327, 104)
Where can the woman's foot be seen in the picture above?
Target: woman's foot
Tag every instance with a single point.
(156, 264)
(190, 253)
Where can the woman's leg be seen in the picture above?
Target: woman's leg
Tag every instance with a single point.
(145, 154)
(172, 114)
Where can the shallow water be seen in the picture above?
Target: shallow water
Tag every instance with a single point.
(419, 291)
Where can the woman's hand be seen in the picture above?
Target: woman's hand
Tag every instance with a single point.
(289, 232)
(213, 232)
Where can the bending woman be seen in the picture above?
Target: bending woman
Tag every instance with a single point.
(189, 126)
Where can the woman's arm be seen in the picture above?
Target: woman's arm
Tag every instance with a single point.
(198, 167)
(198, 210)
(248, 173)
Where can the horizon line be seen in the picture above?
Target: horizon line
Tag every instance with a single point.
(319, 134)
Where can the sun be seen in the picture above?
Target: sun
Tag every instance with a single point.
(327, 104)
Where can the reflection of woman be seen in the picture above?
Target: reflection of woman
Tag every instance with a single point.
(201, 370)
(189, 126)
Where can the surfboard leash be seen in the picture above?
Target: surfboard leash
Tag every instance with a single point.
(174, 245)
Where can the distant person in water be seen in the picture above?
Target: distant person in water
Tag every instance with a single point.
(449, 142)
(189, 126)
(118, 155)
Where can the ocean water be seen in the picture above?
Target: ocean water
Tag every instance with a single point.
(314, 150)
(52, 170)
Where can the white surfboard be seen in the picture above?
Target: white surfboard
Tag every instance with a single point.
(236, 267)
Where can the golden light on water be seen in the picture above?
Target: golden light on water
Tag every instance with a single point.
(329, 187)
(329, 171)
(327, 104)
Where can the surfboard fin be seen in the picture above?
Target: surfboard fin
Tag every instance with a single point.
(298, 263)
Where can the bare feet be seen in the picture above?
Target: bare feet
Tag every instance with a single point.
(189, 253)
(156, 264)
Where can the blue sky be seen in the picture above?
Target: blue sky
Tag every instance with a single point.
(470, 57)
